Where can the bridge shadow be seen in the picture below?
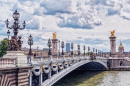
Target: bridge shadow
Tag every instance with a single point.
(77, 77)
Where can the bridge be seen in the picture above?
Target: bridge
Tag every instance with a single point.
(17, 70)
(46, 72)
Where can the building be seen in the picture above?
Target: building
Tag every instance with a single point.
(67, 47)
(120, 48)
(47, 49)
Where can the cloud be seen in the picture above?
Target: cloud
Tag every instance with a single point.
(57, 6)
(84, 22)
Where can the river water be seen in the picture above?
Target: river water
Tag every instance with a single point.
(95, 78)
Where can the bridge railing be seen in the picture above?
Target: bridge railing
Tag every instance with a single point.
(7, 62)
(65, 58)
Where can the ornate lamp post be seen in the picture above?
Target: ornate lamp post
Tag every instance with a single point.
(93, 50)
(49, 45)
(88, 50)
(59, 47)
(78, 50)
(8, 33)
(37, 50)
(96, 52)
(102, 53)
(17, 42)
(110, 53)
(72, 48)
(30, 42)
(62, 46)
(84, 49)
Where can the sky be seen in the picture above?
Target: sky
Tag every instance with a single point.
(84, 22)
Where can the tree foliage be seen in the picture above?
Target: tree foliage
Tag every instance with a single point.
(3, 47)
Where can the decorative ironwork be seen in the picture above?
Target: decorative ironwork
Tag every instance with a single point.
(72, 48)
(88, 50)
(62, 46)
(59, 47)
(30, 42)
(84, 49)
(93, 50)
(96, 52)
(78, 49)
(110, 53)
(8, 33)
(15, 43)
(49, 45)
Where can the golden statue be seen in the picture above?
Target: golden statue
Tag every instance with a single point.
(54, 35)
(112, 33)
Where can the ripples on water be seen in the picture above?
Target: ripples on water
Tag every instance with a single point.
(95, 78)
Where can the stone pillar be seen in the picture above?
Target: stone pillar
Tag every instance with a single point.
(30, 78)
(54, 47)
(21, 59)
(40, 79)
(113, 46)
(49, 74)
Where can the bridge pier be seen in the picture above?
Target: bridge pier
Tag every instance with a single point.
(49, 74)
(40, 79)
(30, 78)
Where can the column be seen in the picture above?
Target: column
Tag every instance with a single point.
(49, 74)
(30, 78)
(40, 79)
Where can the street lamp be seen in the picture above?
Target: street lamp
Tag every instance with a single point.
(88, 50)
(72, 48)
(84, 49)
(8, 33)
(96, 52)
(15, 27)
(93, 50)
(49, 45)
(59, 47)
(37, 50)
(62, 46)
(30, 42)
(78, 49)
(102, 53)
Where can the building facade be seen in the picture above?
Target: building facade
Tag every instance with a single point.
(67, 47)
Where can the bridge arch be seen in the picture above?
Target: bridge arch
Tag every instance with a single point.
(64, 72)
(93, 65)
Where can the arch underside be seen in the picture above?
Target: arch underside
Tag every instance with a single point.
(92, 66)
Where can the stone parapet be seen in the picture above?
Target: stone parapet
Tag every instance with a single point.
(21, 59)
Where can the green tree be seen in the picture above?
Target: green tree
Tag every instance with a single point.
(3, 47)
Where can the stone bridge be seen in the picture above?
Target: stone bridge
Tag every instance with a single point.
(47, 72)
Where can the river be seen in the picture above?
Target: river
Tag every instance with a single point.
(95, 78)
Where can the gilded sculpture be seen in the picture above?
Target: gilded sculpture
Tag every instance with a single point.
(54, 35)
(112, 33)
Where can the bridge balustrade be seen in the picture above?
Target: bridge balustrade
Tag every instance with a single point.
(7, 62)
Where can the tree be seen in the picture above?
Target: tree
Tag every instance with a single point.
(3, 47)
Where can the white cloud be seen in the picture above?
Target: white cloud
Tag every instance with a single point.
(78, 21)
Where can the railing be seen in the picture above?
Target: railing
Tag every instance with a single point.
(7, 62)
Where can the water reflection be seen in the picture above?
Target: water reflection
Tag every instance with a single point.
(95, 78)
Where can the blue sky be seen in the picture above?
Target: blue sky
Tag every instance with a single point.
(84, 22)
